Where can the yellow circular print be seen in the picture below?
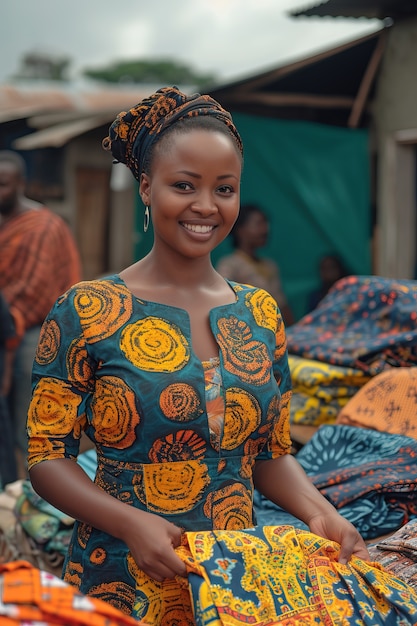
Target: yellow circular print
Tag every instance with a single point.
(98, 556)
(41, 449)
(180, 402)
(79, 368)
(117, 593)
(114, 413)
(102, 307)
(53, 409)
(49, 342)
(242, 417)
(280, 340)
(230, 508)
(172, 487)
(263, 308)
(155, 345)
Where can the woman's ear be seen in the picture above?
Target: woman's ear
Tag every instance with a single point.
(145, 189)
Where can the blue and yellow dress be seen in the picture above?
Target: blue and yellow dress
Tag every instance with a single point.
(123, 370)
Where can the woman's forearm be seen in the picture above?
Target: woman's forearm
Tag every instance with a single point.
(284, 482)
(66, 486)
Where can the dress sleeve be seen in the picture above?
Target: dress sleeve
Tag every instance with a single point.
(62, 381)
(279, 441)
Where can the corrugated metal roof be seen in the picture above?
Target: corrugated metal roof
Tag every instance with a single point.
(59, 134)
(18, 101)
(380, 9)
(65, 111)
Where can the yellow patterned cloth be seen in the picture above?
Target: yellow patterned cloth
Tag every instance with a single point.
(282, 575)
(321, 389)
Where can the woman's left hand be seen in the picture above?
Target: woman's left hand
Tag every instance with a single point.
(336, 528)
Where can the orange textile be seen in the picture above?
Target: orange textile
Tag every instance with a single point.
(38, 262)
(387, 403)
(29, 595)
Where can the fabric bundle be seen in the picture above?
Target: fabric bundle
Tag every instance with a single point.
(29, 595)
(365, 322)
(321, 390)
(387, 403)
(281, 575)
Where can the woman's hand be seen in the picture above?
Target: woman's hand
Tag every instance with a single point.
(151, 541)
(336, 528)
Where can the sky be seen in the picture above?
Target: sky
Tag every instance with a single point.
(231, 39)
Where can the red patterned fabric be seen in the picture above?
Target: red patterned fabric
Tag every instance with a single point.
(38, 262)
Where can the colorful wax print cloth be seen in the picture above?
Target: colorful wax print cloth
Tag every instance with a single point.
(123, 370)
(388, 403)
(321, 390)
(365, 322)
(282, 575)
(32, 597)
(398, 553)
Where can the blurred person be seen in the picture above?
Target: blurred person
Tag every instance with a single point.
(39, 260)
(331, 269)
(8, 466)
(245, 265)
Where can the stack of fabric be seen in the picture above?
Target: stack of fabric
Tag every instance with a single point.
(364, 326)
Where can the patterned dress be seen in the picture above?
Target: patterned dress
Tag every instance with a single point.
(123, 370)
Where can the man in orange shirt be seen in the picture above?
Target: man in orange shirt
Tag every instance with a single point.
(39, 261)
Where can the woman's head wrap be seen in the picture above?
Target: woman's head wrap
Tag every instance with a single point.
(133, 132)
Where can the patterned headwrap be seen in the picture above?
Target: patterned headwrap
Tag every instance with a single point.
(133, 132)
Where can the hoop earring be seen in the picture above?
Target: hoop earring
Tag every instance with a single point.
(146, 218)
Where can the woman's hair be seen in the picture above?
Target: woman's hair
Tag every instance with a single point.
(245, 212)
(134, 134)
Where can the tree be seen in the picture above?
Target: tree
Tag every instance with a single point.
(43, 66)
(150, 71)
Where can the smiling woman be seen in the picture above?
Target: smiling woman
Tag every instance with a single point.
(181, 380)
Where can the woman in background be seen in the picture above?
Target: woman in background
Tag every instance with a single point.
(245, 265)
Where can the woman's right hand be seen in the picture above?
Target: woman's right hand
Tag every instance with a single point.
(152, 541)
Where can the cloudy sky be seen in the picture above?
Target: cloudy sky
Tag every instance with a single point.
(231, 39)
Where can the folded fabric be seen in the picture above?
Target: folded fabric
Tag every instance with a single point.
(29, 595)
(286, 576)
(369, 476)
(398, 553)
(320, 390)
(388, 403)
(365, 322)
(38, 525)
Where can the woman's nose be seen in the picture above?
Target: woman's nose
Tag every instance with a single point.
(204, 204)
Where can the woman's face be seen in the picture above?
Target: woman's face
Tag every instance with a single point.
(254, 232)
(193, 191)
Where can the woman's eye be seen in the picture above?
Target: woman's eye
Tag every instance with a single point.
(183, 186)
(226, 189)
